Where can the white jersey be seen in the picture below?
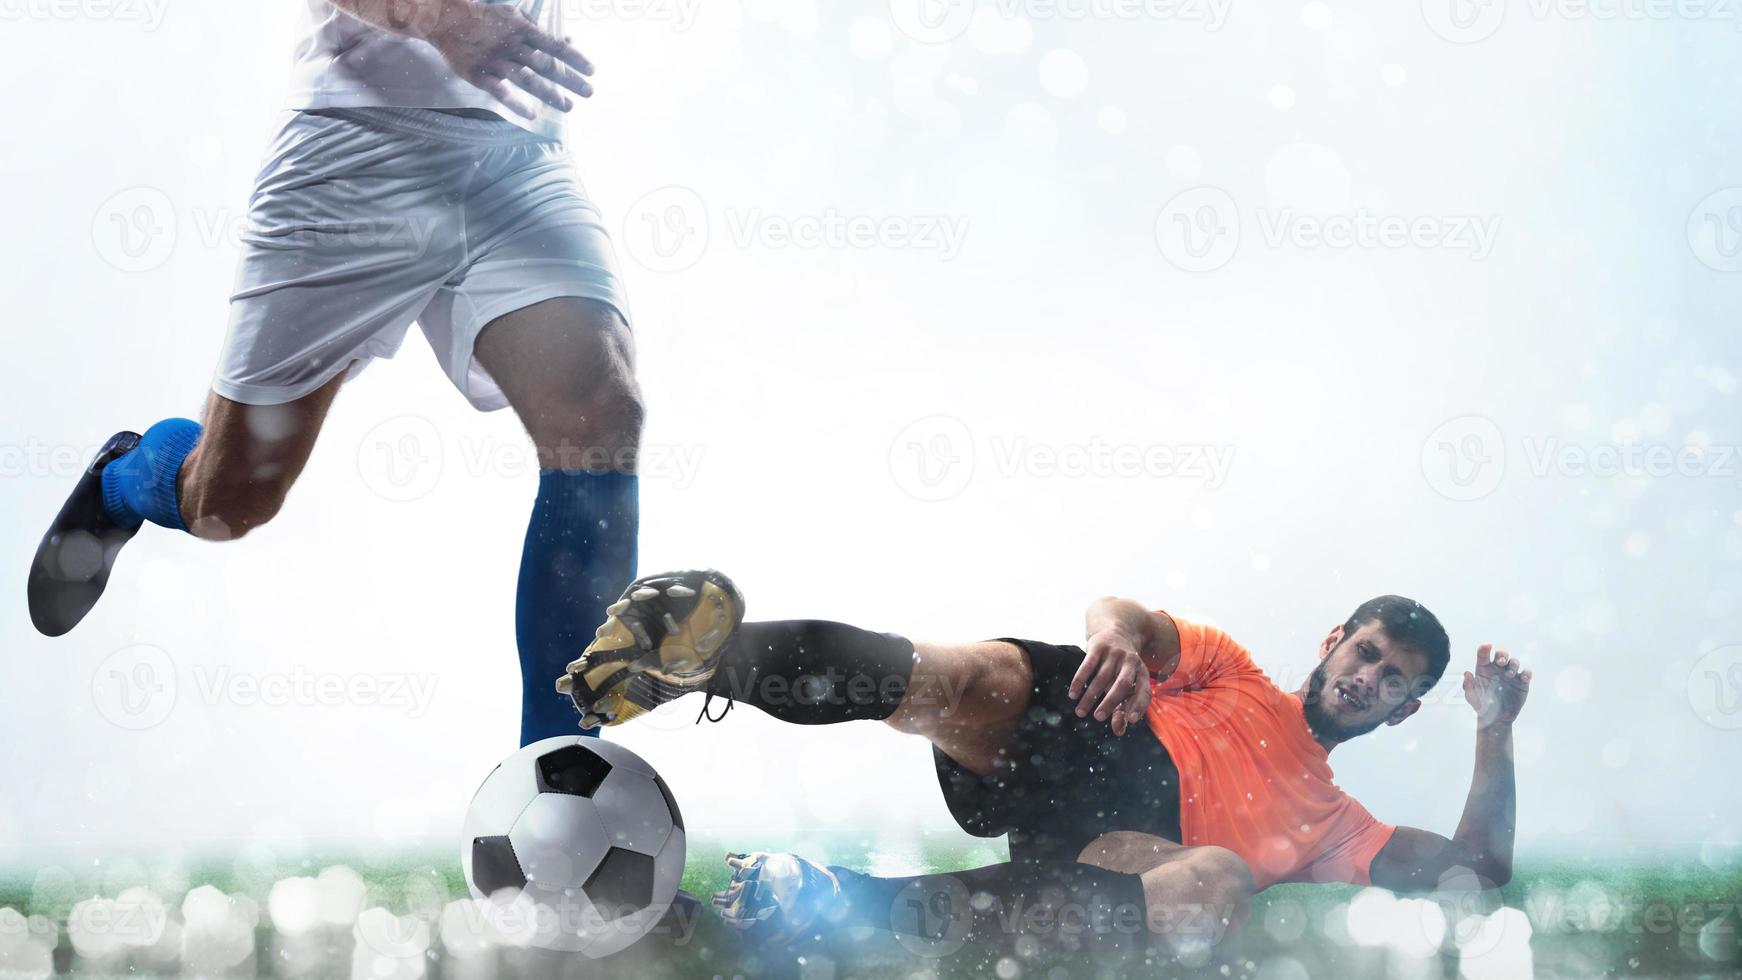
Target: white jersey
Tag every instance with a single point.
(342, 62)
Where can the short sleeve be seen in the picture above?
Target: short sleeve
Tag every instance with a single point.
(1206, 655)
(1359, 842)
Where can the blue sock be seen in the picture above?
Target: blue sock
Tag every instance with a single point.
(580, 553)
(140, 486)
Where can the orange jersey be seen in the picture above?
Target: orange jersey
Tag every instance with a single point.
(1252, 779)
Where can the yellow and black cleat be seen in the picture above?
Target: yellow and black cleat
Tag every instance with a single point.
(775, 899)
(662, 639)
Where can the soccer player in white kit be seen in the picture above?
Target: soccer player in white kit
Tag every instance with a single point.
(418, 176)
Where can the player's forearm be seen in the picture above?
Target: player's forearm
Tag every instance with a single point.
(1139, 627)
(1127, 616)
(421, 19)
(1490, 813)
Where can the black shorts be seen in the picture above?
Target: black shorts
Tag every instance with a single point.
(1069, 779)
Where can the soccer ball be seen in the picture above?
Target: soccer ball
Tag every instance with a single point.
(577, 841)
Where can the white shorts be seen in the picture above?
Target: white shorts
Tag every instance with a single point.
(364, 220)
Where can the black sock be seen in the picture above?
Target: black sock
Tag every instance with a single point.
(1062, 905)
(813, 672)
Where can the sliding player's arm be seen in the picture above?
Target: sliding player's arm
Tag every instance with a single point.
(1414, 860)
(492, 46)
(1126, 644)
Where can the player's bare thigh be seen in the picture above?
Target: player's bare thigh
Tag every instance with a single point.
(567, 366)
(966, 699)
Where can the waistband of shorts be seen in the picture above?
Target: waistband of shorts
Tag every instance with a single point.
(447, 127)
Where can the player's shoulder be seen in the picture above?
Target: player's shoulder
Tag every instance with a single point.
(1201, 632)
(1205, 648)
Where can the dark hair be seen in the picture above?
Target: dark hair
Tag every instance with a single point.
(1407, 622)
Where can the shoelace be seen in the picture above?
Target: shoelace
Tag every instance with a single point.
(707, 701)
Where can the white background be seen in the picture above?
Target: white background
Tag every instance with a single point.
(1602, 315)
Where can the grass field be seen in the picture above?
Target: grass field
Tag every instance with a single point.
(227, 919)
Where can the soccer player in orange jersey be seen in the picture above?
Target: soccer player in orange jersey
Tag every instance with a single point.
(1150, 781)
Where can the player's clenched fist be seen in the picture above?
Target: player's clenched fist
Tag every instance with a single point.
(1112, 681)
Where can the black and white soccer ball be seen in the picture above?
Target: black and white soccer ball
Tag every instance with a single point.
(578, 841)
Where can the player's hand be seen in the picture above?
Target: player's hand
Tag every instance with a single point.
(1113, 681)
(1497, 687)
(498, 49)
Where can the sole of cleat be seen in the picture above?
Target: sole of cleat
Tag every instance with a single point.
(72, 563)
(662, 639)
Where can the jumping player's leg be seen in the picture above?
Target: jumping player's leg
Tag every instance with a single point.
(217, 481)
(566, 366)
(245, 461)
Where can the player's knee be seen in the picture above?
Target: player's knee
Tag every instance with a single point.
(594, 426)
(1225, 886)
(1199, 898)
(1223, 872)
(227, 511)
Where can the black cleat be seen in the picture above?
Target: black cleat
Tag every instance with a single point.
(661, 640)
(72, 563)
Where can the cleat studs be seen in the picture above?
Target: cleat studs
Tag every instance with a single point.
(680, 592)
(616, 607)
(671, 625)
(604, 629)
(565, 684)
(643, 593)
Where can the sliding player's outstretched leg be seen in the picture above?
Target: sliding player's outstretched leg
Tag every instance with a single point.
(1125, 891)
(683, 631)
(774, 899)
